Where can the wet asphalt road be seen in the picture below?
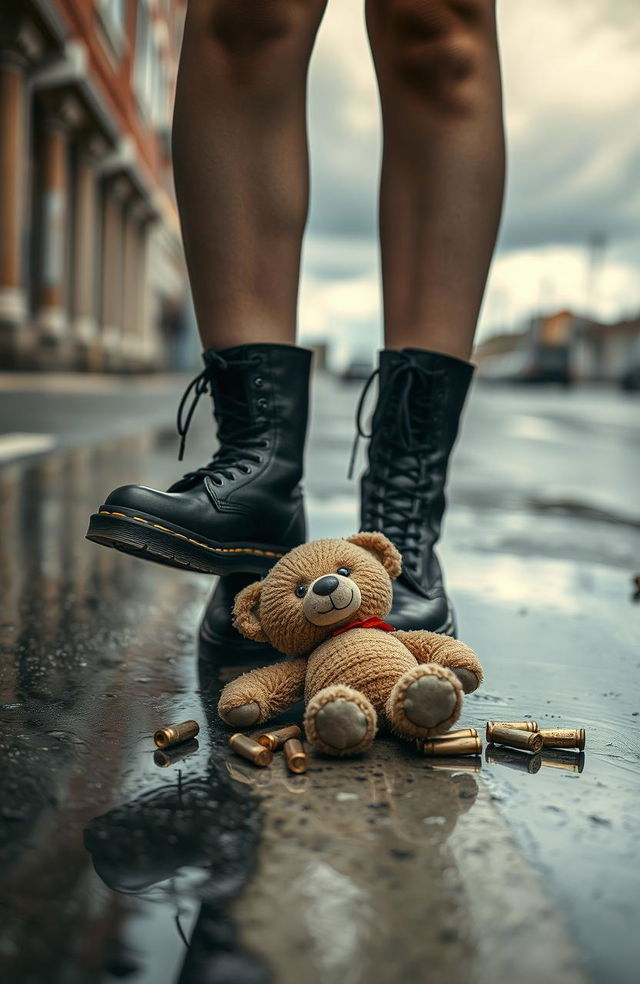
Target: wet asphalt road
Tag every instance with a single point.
(114, 865)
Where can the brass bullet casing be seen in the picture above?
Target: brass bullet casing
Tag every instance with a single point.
(456, 763)
(164, 758)
(250, 749)
(529, 741)
(175, 734)
(514, 759)
(563, 737)
(518, 725)
(556, 758)
(274, 740)
(460, 733)
(451, 746)
(295, 755)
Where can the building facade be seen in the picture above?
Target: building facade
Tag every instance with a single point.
(91, 266)
(595, 351)
(606, 352)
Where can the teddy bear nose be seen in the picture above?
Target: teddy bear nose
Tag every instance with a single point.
(325, 585)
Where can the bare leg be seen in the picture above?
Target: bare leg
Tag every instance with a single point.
(241, 163)
(443, 166)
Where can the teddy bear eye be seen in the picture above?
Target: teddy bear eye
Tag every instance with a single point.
(300, 591)
(345, 571)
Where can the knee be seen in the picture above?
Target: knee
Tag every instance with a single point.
(437, 48)
(248, 27)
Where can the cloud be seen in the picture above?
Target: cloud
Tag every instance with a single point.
(528, 281)
(572, 90)
(344, 126)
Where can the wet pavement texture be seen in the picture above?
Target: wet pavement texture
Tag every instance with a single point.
(118, 863)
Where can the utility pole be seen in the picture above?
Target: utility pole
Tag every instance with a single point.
(596, 246)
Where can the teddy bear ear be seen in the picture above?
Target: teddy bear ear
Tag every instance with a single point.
(246, 617)
(381, 548)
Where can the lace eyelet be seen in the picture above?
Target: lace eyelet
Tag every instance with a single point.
(248, 471)
(264, 444)
(217, 480)
(258, 382)
(262, 403)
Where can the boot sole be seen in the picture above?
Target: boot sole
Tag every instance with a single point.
(149, 538)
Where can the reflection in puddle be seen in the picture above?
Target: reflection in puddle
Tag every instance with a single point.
(96, 649)
(511, 757)
(358, 863)
(193, 839)
(557, 758)
(172, 756)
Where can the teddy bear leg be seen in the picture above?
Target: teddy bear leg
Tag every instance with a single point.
(430, 647)
(340, 721)
(425, 701)
(262, 693)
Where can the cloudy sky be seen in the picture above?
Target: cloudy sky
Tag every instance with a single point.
(572, 100)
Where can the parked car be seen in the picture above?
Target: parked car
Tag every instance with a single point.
(539, 364)
(356, 371)
(630, 380)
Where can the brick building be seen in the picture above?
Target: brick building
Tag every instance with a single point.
(91, 266)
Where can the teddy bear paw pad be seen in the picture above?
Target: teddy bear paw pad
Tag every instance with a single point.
(429, 700)
(425, 701)
(341, 724)
(340, 721)
(243, 716)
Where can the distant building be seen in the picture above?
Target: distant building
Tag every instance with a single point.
(592, 351)
(91, 266)
(605, 352)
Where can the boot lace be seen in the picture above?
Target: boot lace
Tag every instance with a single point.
(402, 485)
(239, 436)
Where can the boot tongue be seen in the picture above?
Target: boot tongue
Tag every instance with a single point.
(232, 407)
(409, 423)
(421, 395)
(409, 411)
(229, 381)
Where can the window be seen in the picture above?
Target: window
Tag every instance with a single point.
(112, 18)
(151, 80)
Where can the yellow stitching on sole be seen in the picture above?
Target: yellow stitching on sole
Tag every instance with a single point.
(197, 543)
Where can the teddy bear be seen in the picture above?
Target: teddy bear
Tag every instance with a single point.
(323, 605)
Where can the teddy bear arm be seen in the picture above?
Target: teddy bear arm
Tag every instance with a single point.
(262, 693)
(431, 647)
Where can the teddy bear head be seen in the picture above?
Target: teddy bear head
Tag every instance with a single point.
(317, 588)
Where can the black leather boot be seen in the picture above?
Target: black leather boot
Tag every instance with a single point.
(243, 510)
(420, 398)
(216, 627)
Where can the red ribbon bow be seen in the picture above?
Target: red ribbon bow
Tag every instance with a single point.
(366, 623)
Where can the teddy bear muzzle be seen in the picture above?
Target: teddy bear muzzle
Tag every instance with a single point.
(330, 599)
